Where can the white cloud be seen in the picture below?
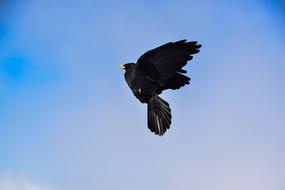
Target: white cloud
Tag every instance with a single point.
(11, 182)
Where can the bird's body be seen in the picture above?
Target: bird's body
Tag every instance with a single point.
(141, 85)
(158, 70)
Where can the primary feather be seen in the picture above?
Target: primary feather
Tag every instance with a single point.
(161, 63)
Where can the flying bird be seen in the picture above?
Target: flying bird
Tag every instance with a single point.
(155, 71)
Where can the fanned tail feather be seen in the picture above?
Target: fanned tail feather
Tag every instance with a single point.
(159, 115)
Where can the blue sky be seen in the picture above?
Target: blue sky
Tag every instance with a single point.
(68, 120)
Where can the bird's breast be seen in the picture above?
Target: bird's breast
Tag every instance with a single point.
(142, 87)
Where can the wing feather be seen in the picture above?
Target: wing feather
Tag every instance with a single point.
(163, 62)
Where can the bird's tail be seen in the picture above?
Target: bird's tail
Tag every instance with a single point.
(158, 115)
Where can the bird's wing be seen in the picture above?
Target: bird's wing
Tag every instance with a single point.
(162, 62)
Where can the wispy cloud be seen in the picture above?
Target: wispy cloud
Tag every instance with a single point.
(14, 182)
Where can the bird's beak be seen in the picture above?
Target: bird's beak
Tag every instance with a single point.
(122, 66)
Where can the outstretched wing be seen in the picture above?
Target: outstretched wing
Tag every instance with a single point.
(163, 62)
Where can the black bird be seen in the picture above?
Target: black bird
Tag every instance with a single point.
(155, 71)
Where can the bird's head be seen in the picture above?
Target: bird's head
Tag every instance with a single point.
(127, 66)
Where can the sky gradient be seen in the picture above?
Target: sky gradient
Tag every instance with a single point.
(69, 122)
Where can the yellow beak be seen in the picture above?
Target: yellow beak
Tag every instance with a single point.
(122, 66)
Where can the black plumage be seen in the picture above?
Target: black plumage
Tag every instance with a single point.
(157, 70)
